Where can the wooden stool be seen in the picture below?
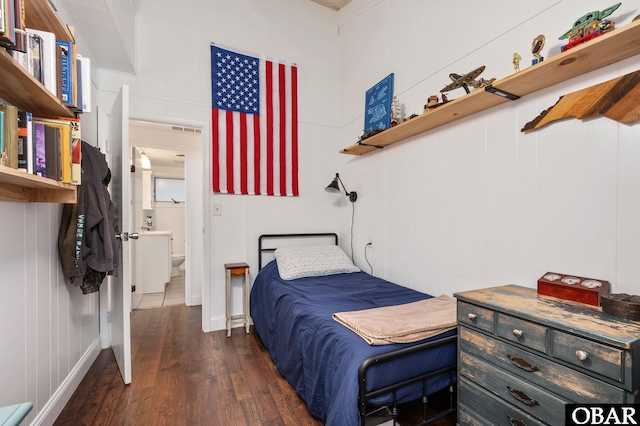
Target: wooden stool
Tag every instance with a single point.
(237, 269)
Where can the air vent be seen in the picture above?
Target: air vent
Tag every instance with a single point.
(186, 129)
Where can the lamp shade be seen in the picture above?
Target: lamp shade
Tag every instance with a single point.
(333, 186)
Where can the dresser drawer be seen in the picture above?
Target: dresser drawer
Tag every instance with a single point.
(468, 417)
(475, 316)
(526, 333)
(532, 399)
(563, 381)
(592, 356)
(494, 409)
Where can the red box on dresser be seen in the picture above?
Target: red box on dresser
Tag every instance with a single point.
(572, 287)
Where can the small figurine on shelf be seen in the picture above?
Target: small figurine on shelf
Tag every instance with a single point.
(536, 48)
(588, 26)
(433, 103)
(396, 115)
(516, 61)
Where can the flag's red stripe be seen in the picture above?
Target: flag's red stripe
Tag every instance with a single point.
(294, 131)
(269, 129)
(283, 129)
(216, 150)
(243, 154)
(256, 153)
(229, 164)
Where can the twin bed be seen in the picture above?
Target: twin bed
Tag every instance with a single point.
(342, 378)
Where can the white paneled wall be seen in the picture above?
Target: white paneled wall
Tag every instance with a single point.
(477, 202)
(48, 329)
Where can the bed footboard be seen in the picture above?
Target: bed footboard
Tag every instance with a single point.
(365, 396)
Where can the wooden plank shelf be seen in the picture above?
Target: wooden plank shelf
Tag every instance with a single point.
(28, 188)
(615, 46)
(21, 89)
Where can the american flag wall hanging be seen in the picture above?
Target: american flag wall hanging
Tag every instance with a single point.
(254, 124)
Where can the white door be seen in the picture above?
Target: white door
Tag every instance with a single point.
(120, 286)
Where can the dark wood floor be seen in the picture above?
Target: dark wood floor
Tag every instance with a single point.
(182, 376)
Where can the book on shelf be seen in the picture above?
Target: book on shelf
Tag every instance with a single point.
(25, 142)
(8, 35)
(52, 152)
(20, 34)
(78, 85)
(39, 152)
(1, 16)
(34, 56)
(86, 83)
(10, 152)
(65, 145)
(71, 138)
(68, 72)
(48, 59)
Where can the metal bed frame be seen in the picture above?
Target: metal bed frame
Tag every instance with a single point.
(364, 396)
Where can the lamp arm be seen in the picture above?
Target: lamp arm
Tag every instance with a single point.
(353, 196)
(345, 189)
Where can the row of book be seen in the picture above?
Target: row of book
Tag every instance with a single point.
(53, 62)
(44, 146)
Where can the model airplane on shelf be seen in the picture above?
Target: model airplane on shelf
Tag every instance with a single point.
(469, 79)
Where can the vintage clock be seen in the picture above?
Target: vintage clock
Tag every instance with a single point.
(571, 287)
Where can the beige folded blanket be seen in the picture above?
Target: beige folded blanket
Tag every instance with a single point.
(405, 323)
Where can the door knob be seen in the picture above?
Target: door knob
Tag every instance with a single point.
(124, 236)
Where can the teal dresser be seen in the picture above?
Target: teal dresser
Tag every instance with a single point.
(522, 357)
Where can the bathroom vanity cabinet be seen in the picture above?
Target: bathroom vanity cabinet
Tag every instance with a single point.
(156, 260)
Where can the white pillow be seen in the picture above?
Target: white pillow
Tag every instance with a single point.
(312, 261)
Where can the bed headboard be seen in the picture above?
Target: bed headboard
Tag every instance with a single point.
(268, 243)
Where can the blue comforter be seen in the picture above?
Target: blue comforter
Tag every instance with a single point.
(320, 357)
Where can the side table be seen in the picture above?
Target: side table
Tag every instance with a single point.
(231, 270)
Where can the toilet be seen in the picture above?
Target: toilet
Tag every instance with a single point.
(176, 261)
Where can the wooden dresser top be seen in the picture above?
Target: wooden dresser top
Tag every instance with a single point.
(585, 320)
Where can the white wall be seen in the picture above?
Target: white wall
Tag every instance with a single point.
(48, 329)
(173, 83)
(477, 203)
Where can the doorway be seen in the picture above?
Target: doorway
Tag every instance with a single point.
(175, 152)
(159, 205)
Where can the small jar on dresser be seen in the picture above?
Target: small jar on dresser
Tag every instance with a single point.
(522, 357)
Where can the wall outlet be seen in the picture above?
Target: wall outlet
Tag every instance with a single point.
(370, 243)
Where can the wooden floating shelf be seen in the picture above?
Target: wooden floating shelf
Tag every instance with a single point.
(615, 46)
(28, 188)
(21, 89)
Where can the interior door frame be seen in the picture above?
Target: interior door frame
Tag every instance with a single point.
(202, 203)
(205, 208)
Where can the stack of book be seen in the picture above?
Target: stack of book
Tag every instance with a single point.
(44, 146)
(54, 63)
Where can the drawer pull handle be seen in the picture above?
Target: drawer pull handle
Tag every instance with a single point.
(522, 397)
(515, 422)
(517, 333)
(522, 364)
(581, 355)
(471, 316)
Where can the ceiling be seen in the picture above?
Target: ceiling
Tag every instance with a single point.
(332, 4)
(104, 25)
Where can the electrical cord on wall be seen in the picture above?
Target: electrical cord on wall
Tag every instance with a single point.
(353, 213)
(365, 257)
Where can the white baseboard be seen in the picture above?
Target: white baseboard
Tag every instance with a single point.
(52, 409)
(194, 301)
